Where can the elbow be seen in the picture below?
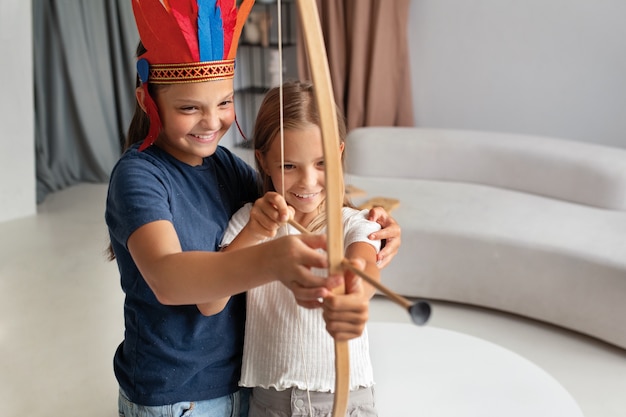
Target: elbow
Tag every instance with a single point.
(206, 309)
(163, 294)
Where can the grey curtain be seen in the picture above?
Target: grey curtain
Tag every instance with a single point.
(84, 88)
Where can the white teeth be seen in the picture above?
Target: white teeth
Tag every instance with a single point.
(205, 137)
(305, 195)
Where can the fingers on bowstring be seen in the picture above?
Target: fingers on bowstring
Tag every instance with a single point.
(278, 203)
(273, 206)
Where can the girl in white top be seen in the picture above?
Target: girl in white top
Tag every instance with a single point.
(288, 351)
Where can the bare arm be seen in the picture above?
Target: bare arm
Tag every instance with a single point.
(196, 277)
(390, 234)
(266, 216)
(366, 252)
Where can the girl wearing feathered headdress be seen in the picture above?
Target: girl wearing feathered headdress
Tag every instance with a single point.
(170, 197)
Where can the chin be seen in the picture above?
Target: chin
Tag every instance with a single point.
(307, 208)
(207, 149)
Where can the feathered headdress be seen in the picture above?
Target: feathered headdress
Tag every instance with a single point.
(186, 41)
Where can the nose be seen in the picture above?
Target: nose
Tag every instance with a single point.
(210, 121)
(308, 178)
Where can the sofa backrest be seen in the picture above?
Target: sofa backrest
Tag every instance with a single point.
(580, 172)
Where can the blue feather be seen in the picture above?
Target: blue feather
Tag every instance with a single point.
(210, 31)
(217, 27)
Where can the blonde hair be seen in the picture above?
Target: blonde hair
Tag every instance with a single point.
(299, 111)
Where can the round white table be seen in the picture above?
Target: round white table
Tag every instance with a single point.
(426, 371)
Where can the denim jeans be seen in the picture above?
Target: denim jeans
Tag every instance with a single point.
(233, 405)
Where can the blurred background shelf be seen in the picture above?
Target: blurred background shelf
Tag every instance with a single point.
(258, 62)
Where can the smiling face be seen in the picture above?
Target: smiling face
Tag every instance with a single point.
(195, 117)
(304, 178)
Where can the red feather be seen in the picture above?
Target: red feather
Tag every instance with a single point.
(157, 28)
(155, 120)
(185, 13)
(169, 29)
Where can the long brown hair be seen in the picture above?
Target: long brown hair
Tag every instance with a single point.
(299, 111)
(137, 129)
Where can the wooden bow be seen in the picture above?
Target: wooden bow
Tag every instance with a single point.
(313, 39)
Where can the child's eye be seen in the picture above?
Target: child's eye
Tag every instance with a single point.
(320, 164)
(188, 108)
(288, 166)
(226, 103)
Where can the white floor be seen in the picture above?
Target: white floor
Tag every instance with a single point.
(61, 320)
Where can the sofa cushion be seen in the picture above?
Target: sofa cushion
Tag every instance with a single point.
(574, 171)
(542, 258)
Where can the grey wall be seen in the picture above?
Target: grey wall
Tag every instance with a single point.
(17, 161)
(546, 67)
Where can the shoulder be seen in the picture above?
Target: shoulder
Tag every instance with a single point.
(133, 162)
(139, 190)
(243, 214)
(226, 157)
(233, 168)
(239, 177)
(142, 173)
(357, 227)
(354, 217)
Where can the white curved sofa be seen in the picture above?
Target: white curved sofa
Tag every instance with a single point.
(530, 225)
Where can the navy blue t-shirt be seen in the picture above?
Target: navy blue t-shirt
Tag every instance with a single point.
(174, 353)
